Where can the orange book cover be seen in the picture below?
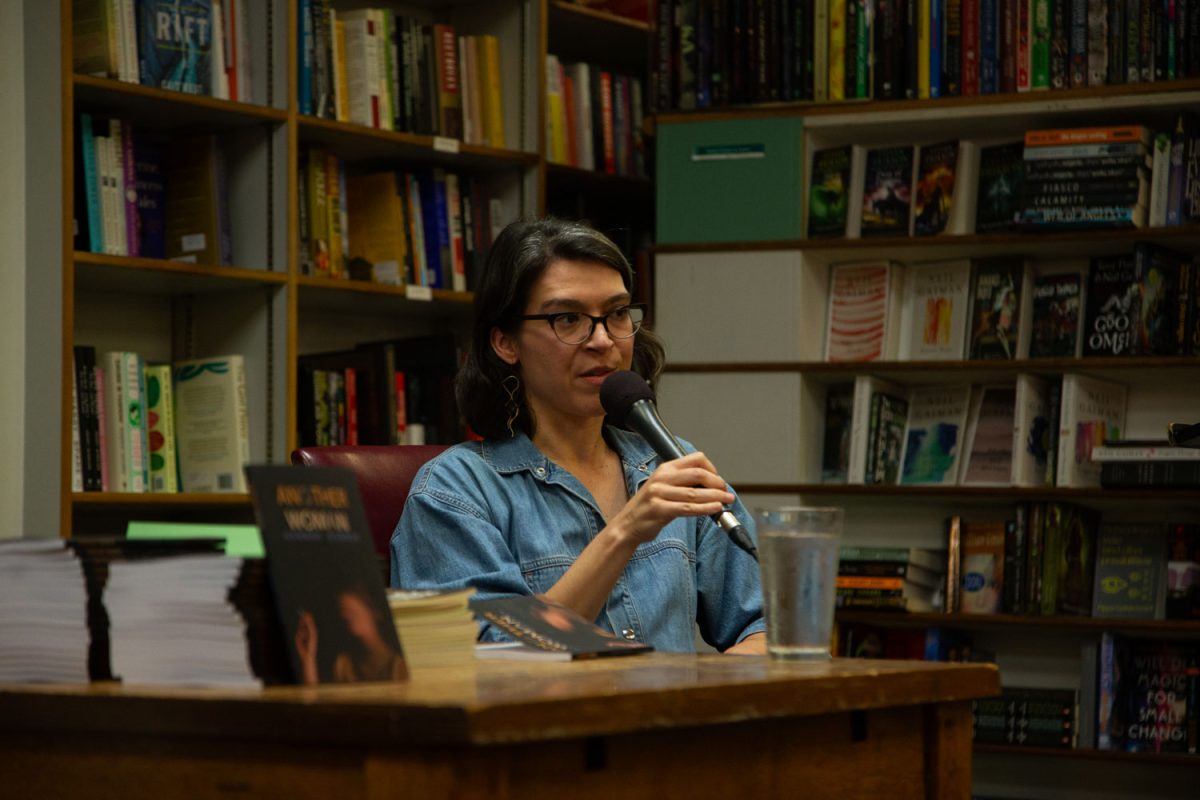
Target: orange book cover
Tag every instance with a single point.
(1100, 135)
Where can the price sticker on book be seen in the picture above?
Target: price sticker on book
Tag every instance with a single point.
(445, 144)
(414, 292)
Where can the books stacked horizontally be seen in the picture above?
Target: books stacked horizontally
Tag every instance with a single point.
(135, 608)
(171, 622)
(1032, 717)
(43, 614)
(1139, 462)
(434, 627)
(1087, 177)
(899, 578)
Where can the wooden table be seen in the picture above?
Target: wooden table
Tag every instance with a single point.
(652, 726)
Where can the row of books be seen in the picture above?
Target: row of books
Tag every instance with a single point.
(138, 427)
(1032, 432)
(399, 391)
(428, 227)
(1059, 559)
(1133, 695)
(737, 51)
(382, 69)
(1146, 303)
(201, 47)
(1116, 176)
(138, 196)
(1028, 716)
(594, 119)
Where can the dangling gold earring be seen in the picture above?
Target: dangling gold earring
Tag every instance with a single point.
(512, 406)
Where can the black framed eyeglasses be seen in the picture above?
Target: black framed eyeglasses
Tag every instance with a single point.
(575, 327)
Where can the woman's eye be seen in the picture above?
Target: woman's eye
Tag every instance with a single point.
(569, 318)
(620, 313)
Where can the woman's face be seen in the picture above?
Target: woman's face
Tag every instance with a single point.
(562, 379)
(358, 616)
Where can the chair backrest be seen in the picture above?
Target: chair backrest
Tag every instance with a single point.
(385, 474)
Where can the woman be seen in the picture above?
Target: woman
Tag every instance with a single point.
(553, 501)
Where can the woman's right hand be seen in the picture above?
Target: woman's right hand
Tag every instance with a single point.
(684, 487)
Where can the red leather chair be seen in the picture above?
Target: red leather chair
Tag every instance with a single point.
(385, 474)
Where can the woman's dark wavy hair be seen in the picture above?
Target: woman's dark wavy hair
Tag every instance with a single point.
(518, 258)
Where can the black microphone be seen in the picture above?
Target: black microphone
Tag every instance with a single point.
(629, 403)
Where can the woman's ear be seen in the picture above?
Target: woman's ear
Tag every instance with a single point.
(505, 347)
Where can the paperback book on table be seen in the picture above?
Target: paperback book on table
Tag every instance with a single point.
(328, 591)
(541, 629)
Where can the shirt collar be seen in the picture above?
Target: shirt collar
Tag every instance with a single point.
(519, 453)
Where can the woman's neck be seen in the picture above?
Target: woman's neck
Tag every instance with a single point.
(577, 444)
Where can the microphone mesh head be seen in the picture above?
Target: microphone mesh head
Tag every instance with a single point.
(620, 391)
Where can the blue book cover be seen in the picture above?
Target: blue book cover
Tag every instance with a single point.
(150, 167)
(937, 13)
(175, 45)
(304, 50)
(87, 146)
(989, 51)
(431, 211)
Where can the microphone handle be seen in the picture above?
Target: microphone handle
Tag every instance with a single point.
(643, 417)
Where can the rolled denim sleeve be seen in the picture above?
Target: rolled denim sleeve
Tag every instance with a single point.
(729, 606)
(444, 541)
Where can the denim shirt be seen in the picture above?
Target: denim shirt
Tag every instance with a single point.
(500, 516)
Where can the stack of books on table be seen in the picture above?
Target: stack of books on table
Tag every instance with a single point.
(1132, 463)
(435, 628)
(43, 614)
(179, 612)
(895, 578)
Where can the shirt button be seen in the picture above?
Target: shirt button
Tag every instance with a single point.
(643, 467)
(540, 470)
(629, 633)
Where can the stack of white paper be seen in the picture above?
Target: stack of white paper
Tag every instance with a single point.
(171, 622)
(43, 613)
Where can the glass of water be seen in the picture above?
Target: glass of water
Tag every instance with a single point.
(798, 559)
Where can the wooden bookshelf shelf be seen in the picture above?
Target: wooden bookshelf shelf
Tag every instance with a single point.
(1150, 627)
(181, 500)
(147, 106)
(592, 180)
(958, 371)
(347, 296)
(1148, 759)
(1113, 95)
(1036, 244)
(95, 271)
(578, 33)
(359, 144)
(1162, 497)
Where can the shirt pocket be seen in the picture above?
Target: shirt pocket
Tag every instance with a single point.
(664, 572)
(542, 573)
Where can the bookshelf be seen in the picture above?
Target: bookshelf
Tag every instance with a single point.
(620, 205)
(262, 303)
(745, 332)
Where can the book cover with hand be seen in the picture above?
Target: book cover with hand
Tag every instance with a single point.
(1001, 318)
(328, 590)
(550, 628)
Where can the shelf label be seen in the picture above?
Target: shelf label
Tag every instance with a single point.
(414, 292)
(728, 152)
(445, 144)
